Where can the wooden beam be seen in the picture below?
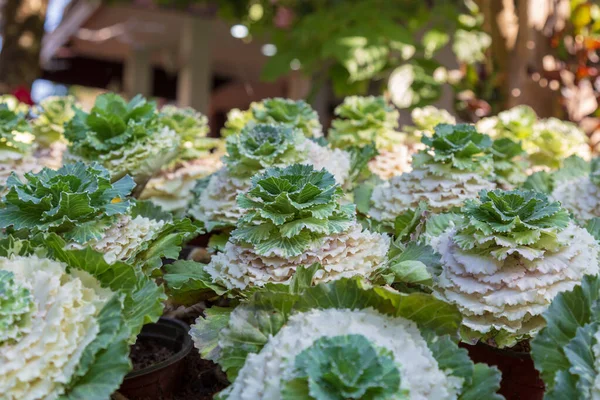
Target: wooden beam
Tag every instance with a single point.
(195, 74)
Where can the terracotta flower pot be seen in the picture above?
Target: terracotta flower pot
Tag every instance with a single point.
(159, 380)
(520, 379)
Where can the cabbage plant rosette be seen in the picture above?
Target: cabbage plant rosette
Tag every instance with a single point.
(48, 127)
(296, 113)
(364, 120)
(126, 138)
(579, 194)
(198, 157)
(502, 267)
(66, 321)
(547, 142)
(16, 144)
(295, 216)
(425, 119)
(80, 204)
(342, 340)
(257, 147)
(453, 168)
(567, 350)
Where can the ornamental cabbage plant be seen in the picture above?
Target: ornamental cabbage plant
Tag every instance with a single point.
(504, 265)
(79, 203)
(454, 167)
(296, 113)
(66, 321)
(342, 340)
(198, 157)
(257, 147)
(126, 138)
(547, 142)
(578, 190)
(16, 144)
(50, 117)
(361, 121)
(425, 119)
(567, 350)
(295, 216)
(509, 164)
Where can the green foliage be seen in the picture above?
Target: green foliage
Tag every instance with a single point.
(16, 304)
(564, 351)
(459, 146)
(505, 221)
(77, 201)
(51, 116)
(262, 146)
(288, 209)
(111, 124)
(573, 167)
(296, 113)
(193, 128)
(143, 299)
(188, 283)
(363, 120)
(508, 167)
(343, 367)
(15, 137)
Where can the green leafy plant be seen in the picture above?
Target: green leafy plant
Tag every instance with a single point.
(314, 337)
(363, 120)
(567, 350)
(509, 168)
(261, 146)
(193, 129)
(516, 221)
(289, 208)
(79, 203)
(296, 113)
(103, 308)
(459, 146)
(16, 140)
(127, 138)
(50, 117)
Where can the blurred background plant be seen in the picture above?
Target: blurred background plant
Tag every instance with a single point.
(472, 57)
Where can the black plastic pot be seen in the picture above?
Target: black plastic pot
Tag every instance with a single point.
(520, 379)
(160, 380)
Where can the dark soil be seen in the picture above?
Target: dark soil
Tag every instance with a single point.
(146, 352)
(201, 379)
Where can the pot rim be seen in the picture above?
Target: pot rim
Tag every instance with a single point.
(186, 347)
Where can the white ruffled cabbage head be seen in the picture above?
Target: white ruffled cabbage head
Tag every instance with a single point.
(124, 239)
(510, 295)
(351, 253)
(217, 204)
(440, 191)
(264, 373)
(505, 264)
(390, 163)
(61, 324)
(172, 189)
(336, 161)
(581, 196)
